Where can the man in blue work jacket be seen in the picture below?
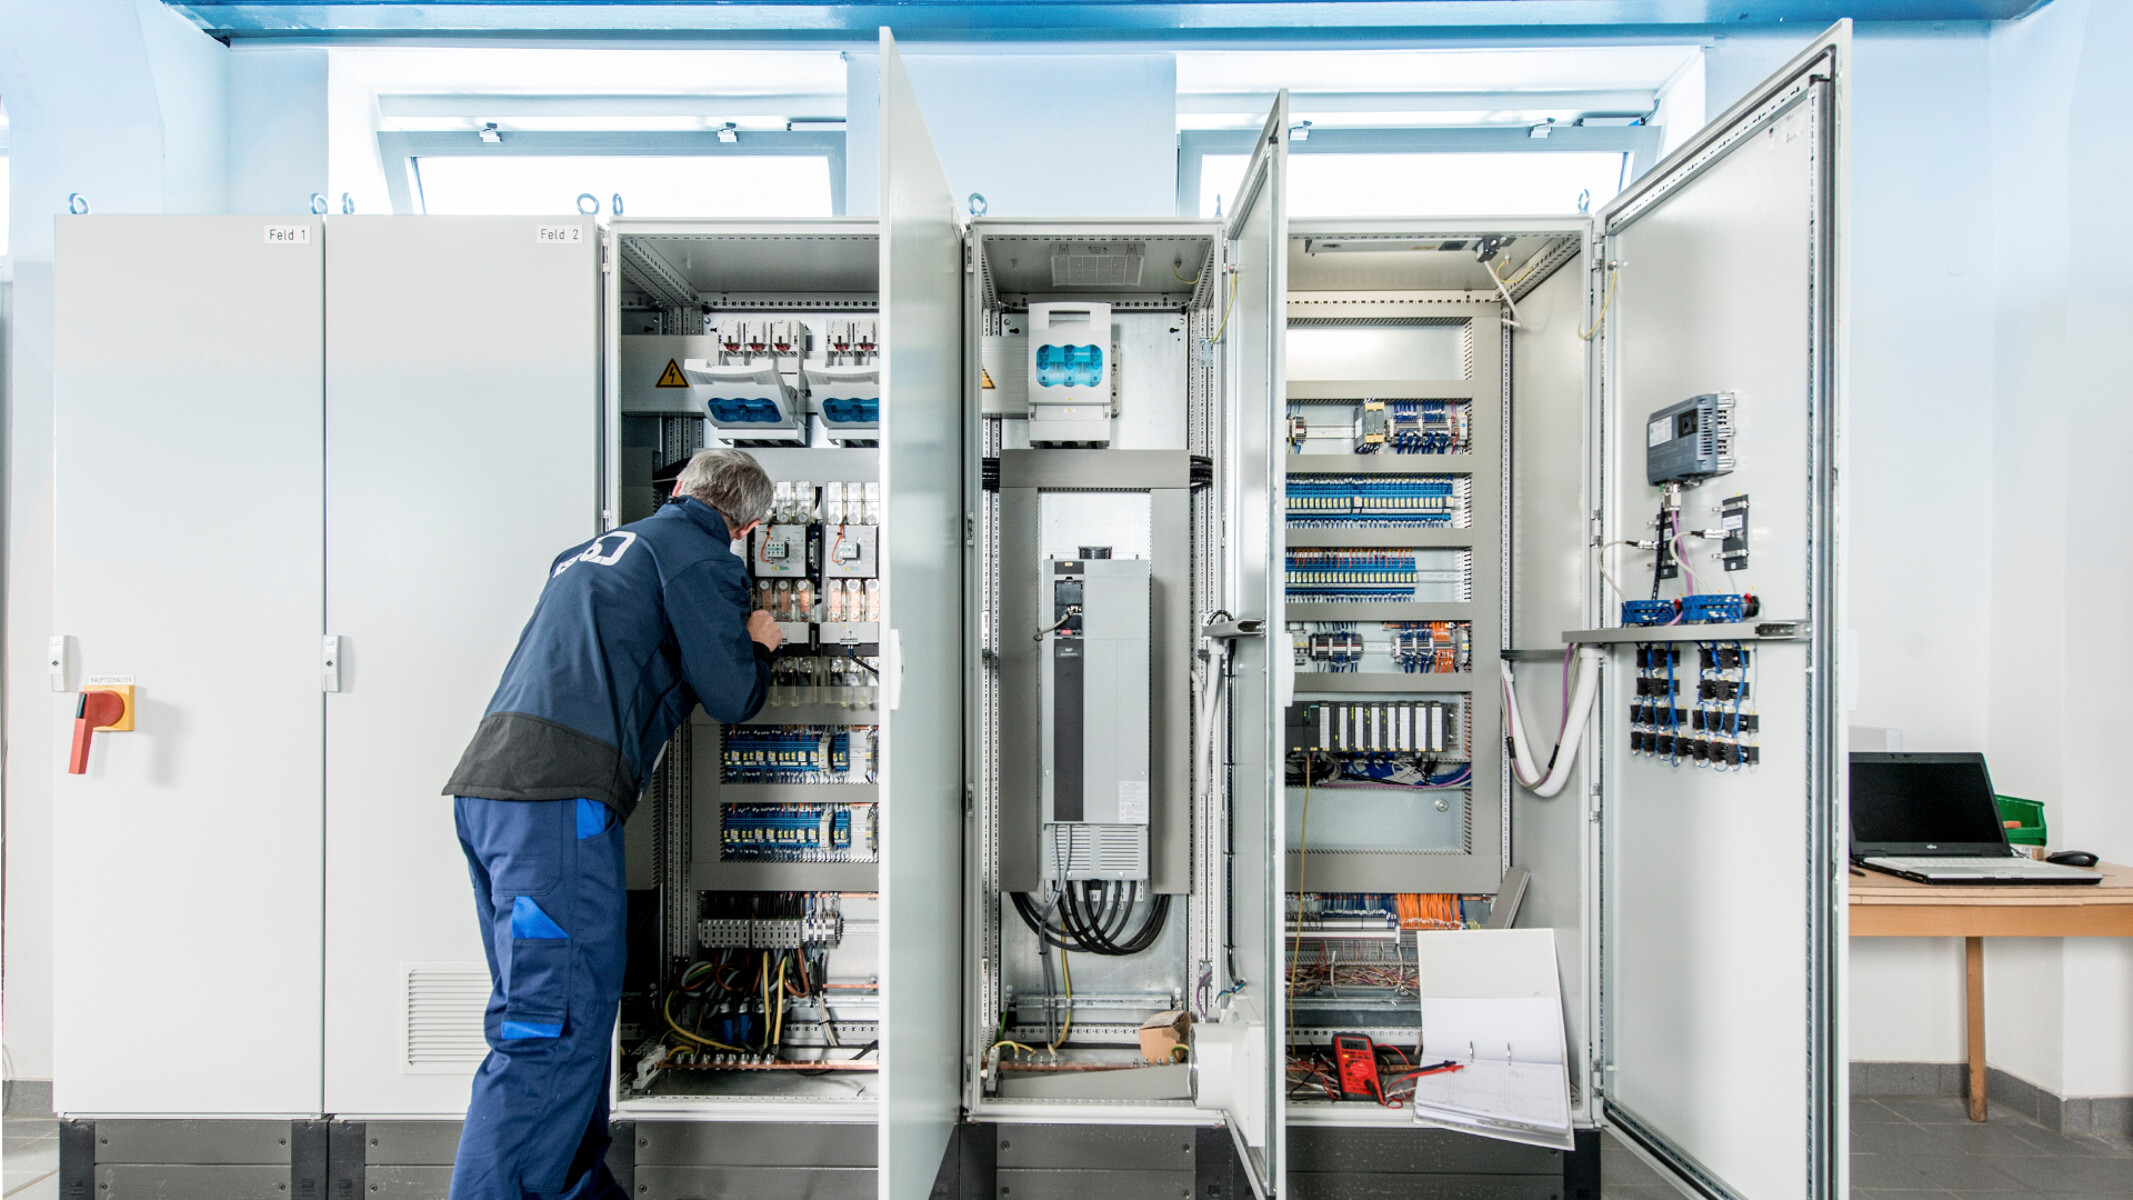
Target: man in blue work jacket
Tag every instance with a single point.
(633, 630)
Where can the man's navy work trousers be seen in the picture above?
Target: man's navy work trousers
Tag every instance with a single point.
(549, 889)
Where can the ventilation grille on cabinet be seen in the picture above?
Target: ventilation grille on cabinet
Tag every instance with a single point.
(1097, 266)
(1095, 851)
(445, 1006)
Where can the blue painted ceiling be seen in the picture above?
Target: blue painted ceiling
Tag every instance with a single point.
(1269, 22)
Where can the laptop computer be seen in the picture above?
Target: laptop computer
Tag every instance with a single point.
(1933, 818)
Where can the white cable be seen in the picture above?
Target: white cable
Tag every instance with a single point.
(1508, 302)
(1210, 695)
(1568, 739)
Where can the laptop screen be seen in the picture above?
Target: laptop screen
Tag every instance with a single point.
(1924, 804)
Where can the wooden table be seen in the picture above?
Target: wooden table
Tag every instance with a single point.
(1886, 906)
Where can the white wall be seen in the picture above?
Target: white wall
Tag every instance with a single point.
(1921, 407)
(2063, 161)
(354, 167)
(1090, 135)
(1986, 575)
(126, 103)
(277, 130)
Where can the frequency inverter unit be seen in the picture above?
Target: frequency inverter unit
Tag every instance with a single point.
(1689, 441)
(1093, 709)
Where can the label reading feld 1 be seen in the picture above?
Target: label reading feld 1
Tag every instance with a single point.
(288, 235)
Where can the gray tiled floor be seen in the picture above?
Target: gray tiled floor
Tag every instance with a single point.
(1918, 1147)
(1903, 1148)
(29, 1157)
(1927, 1148)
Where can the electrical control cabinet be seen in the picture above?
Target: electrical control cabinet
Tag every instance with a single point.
(1487, 388)
(763, 845)
(1358, 480)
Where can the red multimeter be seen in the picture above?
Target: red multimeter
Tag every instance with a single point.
(1357, 1057)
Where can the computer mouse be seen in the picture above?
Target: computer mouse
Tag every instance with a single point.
(2072, 858)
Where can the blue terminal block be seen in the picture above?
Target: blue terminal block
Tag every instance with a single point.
(744, 411)
(1069, 366)
(1714, 608)
(863, 411)
(1648, 612)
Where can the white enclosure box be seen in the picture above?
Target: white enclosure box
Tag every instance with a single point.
(1069, 379)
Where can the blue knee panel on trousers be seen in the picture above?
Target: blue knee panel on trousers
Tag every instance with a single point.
(550, 894)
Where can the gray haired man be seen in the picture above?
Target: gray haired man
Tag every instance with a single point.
(633, 630)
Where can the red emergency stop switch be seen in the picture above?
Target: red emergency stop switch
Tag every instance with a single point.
(92, 711)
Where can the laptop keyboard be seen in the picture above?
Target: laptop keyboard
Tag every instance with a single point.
(1986, 864)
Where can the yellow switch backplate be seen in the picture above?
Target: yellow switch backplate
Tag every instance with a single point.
(123, 691)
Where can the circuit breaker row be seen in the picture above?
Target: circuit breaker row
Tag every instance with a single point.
(744, 336)
(816, 565)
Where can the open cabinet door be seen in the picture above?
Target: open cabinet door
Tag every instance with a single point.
(1252, 497)
(922, 687)
(1723, 902)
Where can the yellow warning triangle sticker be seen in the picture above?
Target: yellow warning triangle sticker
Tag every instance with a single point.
(985, 379)
(672, 376)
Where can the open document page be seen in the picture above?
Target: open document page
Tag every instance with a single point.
(1492, 1005)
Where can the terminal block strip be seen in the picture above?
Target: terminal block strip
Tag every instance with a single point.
(824, 833)
(797, 754)
(1377, 502)
(823, 927)
(1370, 575)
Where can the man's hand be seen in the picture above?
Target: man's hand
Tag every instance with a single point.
(764, 630)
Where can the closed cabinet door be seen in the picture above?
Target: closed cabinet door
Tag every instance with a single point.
(462, 454)
(188, 543)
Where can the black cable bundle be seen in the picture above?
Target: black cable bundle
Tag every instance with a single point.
(1093, 916)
